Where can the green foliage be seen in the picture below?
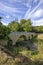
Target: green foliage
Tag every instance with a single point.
(16, 50)
(14, 26)
(38, 29)
(9, 44)
(23, 56)
(26, 25)
(4, 31)
(33, 53)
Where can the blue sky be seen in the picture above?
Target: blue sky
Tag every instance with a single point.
(27, 9)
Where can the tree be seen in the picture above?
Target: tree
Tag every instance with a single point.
(14, 26)
(21, 26)
(0, 18)
(4, 30)
(1, 35)
(26, 25)
(0, 21)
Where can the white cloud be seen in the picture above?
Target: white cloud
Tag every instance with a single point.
(4, 23)
(37, 13)
(35, 1)
(28, 14)
(7, 16)
(41, 0)
(12, 1)
(38, 22)
(27, 5)
(8, 9)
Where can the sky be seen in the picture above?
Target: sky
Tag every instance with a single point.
(22, 9)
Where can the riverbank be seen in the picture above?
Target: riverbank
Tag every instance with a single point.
(40, 36)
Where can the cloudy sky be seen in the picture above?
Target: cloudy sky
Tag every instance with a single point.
(27, 9)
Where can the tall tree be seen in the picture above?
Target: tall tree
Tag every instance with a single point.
(14, 26)
(26, 25)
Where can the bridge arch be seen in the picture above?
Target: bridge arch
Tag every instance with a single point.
(20, 40)
(16, 35)
(22, 37)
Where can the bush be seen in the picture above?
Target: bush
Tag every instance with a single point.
(33, 53)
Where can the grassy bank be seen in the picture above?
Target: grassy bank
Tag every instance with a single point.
(40, 36)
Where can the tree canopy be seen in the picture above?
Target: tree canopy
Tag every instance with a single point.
(26, 25)
(14, 26)
(4, 31)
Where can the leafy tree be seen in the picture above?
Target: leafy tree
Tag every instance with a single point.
(26, 25)
(4, 31)
(1, 30)
(14, 26)
(21, 25)
(0, 21)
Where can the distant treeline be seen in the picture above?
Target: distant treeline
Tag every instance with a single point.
(37, 29)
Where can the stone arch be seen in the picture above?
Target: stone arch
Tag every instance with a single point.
(22, 37)
(20, 40)
(15, 36)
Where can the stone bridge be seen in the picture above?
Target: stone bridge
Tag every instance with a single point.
(14, 36)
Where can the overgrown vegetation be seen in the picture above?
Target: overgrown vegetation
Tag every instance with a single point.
(22, 55)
